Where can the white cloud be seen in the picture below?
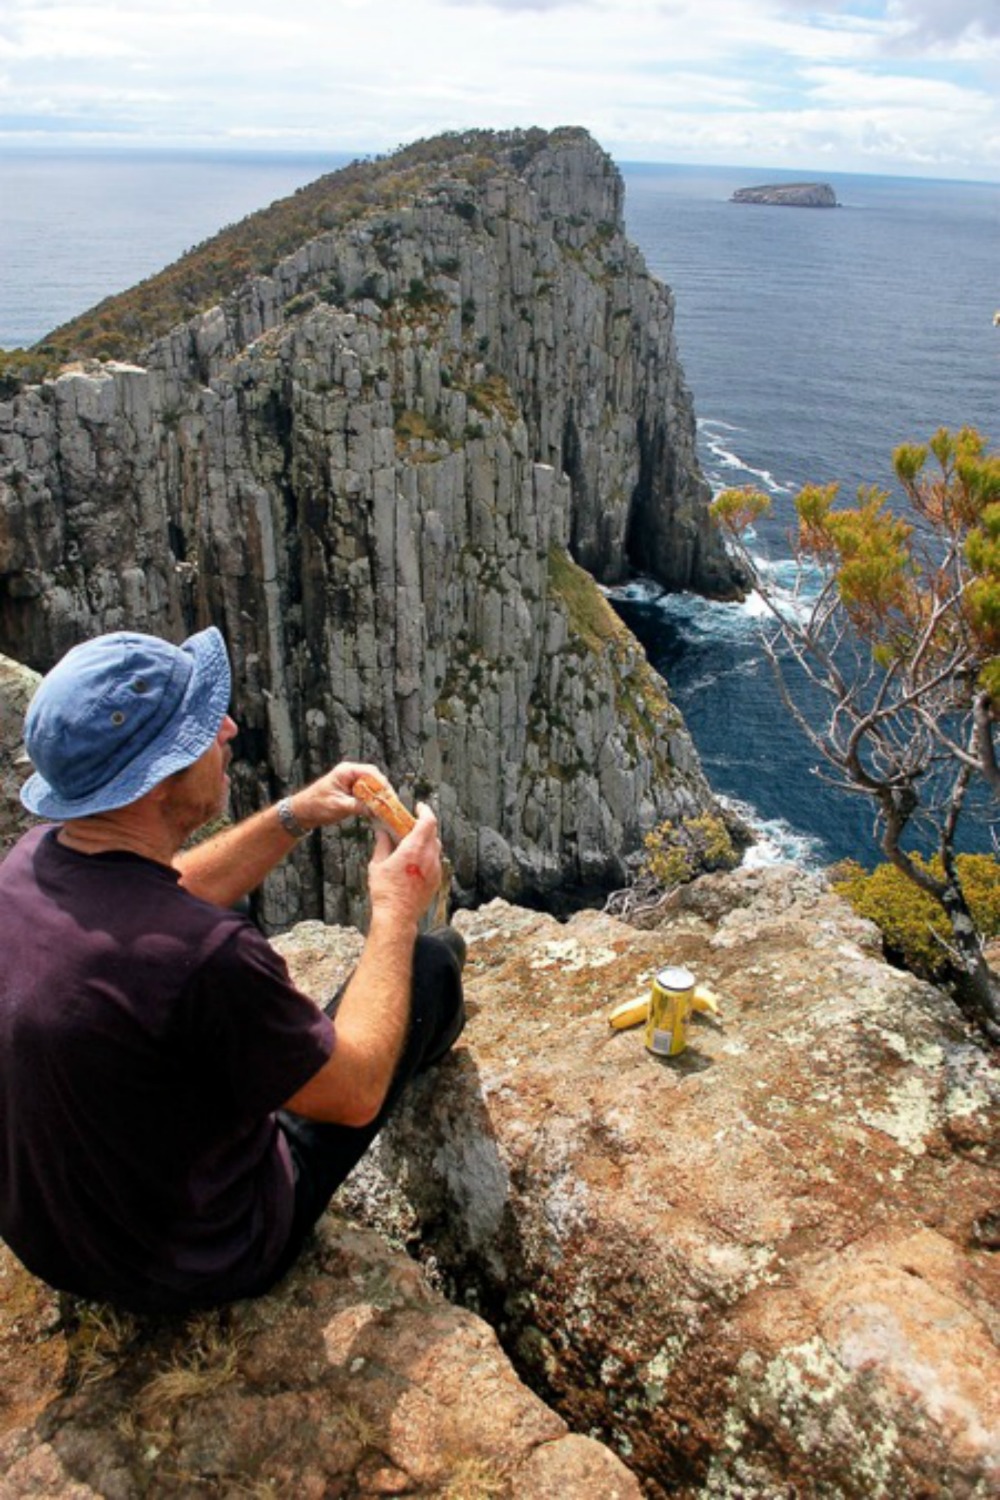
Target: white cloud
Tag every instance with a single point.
(842, 88)
(768, 81)
(515, 5)
(944, 19)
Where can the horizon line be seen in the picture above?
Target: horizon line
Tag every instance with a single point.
(339, 157)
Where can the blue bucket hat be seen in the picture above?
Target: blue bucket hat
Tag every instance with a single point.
(119, 714)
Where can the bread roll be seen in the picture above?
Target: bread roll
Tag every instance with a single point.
(382, 802)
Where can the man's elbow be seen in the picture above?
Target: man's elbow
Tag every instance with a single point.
(358, 1112)
(329, 1104)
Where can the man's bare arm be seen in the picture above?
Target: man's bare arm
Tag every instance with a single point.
(374, 1011)
(233, 862)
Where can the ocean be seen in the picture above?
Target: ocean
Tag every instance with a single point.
(813, 341)
(77, 227)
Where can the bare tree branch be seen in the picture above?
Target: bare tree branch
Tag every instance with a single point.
(902, 645)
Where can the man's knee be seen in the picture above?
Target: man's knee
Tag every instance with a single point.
(438, 1005)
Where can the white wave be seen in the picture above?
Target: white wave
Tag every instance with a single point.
(697, 619)
(793, 587)
(635, 591)
(704, 423)
(792, 574)
(776, 842)
(755, 607)
(725, 458)
(794, 608)
(705, 620)
(748, 667)
(712, 432)
(703, 684)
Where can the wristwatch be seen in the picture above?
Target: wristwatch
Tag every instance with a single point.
(289, 821)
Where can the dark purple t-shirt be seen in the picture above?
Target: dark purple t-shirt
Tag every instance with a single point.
(146, 1039)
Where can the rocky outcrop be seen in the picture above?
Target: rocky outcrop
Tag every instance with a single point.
(377, 470)
(17, 684)
(766, 1267)
(789, 195)
(354, 1378)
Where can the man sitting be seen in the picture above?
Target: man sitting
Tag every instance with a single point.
(174, 1114)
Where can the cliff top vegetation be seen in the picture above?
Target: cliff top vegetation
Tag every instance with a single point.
(122, 326)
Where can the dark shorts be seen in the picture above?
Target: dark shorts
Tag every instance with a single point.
(324, 1154)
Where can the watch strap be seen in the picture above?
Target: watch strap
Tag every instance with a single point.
(289, 821)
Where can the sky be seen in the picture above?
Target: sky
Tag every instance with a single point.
(899, 86)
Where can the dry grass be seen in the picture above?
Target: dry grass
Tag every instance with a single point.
(228, 1485)
(100, 1342)
(127, 1426)
(590, 614)
(476, 1479)
(361, 1426)
(211, 1362)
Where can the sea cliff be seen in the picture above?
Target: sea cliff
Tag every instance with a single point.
(394, 471)
(767, 1266)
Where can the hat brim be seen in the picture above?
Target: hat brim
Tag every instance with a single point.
(185, 737)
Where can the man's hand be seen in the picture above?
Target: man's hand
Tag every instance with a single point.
(403, 881)
(232, 863)
(329, 799)
(373, 1015)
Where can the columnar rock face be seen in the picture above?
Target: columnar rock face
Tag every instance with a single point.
(373, 471)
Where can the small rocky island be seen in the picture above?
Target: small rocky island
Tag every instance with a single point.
(789, 195)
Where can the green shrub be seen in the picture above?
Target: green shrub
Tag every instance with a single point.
(591, 616)
(914, 928)
(413, 425)
(303, 302)
(19, 367)
(677, 852)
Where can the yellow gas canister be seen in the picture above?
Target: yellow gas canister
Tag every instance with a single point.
(669, 1008)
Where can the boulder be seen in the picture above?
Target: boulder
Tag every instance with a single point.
(764, 1267)
(353, 1378)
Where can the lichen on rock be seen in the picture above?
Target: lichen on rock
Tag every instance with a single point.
(353, 1377)
(759, 1266)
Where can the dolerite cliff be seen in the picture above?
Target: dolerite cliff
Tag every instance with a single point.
(391, 471)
